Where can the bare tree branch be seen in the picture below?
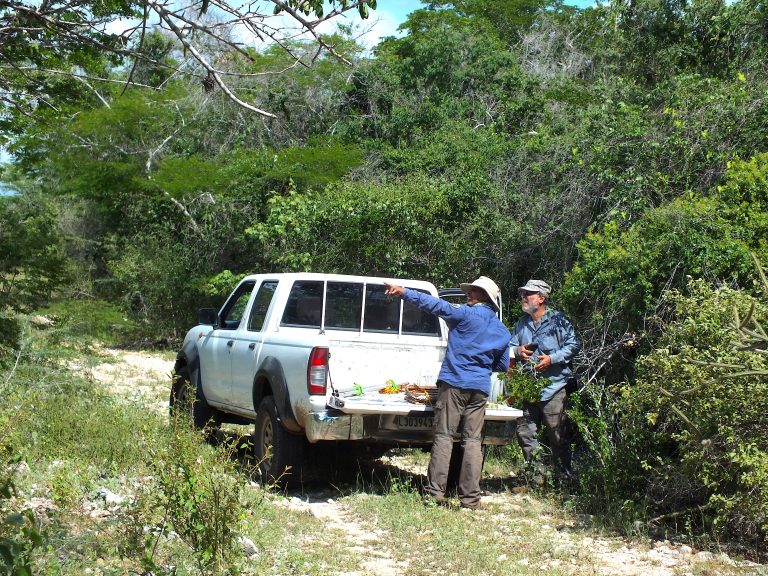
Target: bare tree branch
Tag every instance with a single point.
(59, 37)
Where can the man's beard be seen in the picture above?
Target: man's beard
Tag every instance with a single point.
(531, 308)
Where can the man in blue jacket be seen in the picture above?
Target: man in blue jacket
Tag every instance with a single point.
(478, 344)
(546, 338)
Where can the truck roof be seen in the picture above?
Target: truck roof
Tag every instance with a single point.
(423, 284)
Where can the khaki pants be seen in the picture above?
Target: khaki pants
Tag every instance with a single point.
(552, 414)
(453, 404)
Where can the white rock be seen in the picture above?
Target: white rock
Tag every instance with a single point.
(248, 546)
(110, 498)
(42, 321)
(686, 549)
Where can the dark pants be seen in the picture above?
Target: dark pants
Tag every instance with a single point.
(559, 431)
(453, 403)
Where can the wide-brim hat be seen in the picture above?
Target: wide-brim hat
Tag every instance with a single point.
(537, 286)
(488, 286)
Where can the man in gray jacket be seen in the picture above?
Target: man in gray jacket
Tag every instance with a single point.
(546, 338)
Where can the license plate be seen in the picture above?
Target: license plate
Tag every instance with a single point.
(415, 422)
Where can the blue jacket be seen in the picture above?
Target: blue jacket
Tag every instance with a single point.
(553, 336)
(478, 343)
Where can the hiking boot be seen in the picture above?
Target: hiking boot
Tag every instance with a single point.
(471, 505)
(429, 500)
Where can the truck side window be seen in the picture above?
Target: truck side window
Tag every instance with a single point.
(305, 304)
(261, 305)
(234, 309)
(382, 314)
(343, 305)
(416, 321)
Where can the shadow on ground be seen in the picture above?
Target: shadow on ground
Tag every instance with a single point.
(340, 469)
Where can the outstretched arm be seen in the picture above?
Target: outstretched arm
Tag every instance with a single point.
(450, 313)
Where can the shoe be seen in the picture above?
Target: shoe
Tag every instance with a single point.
(429, 500)
(471, 505)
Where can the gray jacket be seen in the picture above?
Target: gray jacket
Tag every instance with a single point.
(554, 336)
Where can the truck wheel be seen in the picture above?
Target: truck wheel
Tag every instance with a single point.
(188, 401)
(279, 453)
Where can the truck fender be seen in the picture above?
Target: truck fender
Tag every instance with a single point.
(189, 357)
(270, 376)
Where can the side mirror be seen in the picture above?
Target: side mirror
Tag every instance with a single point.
(208, 316)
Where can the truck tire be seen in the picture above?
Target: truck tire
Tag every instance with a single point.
(188, 401)
(278, 453)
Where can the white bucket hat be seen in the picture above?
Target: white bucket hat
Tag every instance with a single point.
(488, 286)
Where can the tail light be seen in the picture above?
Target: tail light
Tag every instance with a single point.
(317, 371)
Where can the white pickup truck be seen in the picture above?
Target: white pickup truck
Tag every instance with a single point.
(304, 356)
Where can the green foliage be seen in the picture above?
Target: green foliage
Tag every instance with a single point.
(286, 228)
(200, 497)
(522, 385)
(620, 274)
(32, 262)
(88, 320)
(693, 421)
(222, 284)
(379, 229)
(252, 174)
(315, 7)
(20, 532)
(10, 336)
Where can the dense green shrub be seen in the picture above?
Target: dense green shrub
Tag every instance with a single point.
(20, 532)
(10, 336)
(411, 227)
(32, 260)
(620, 274)
(692, 452)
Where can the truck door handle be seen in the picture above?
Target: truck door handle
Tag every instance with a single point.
(252, 345)
(231, 343)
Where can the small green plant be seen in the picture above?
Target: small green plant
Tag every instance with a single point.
(522, 385)
(20, 532)
(199, 492)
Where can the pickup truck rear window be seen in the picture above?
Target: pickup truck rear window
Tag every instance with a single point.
(382, 314)
(344, 309)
